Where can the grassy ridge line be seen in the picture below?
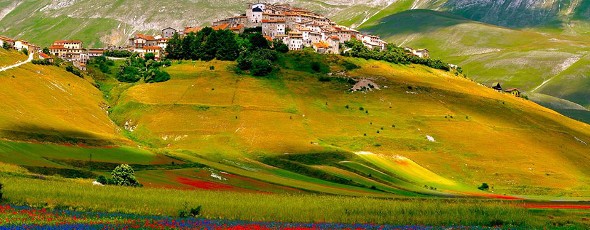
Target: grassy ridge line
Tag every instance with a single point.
(258, 207)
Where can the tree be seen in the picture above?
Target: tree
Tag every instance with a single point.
(129, 74)
(6, 45)
(280, 46)
(227, 47)
(258, 41)
(261, 67)
(46, 50)
(25, 51)
(124, 175)
(156, 75)
(150, 56)
(174, 47)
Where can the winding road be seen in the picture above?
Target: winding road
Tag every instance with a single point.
(17, 64)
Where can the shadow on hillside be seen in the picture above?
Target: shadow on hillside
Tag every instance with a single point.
(415, 21)
(506, 13)
(35, 133)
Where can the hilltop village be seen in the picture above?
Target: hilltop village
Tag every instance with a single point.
(295, 27)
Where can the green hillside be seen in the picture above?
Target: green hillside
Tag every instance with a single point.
(425, 132)
(538, 62)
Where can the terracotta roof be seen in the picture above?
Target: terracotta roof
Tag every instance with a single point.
(152, 48)
(145, 37)
(44, 55)
(268, 38)
(512, 89)
(221, 27)
(189, 29)
(238, 27)
(335, 37)
(321, 45)
(7, 39)
(57, 47)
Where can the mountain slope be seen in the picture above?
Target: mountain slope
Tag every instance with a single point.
(425, 132)
(239, 120)
(113, 21)
(538, 62)
(47, 103)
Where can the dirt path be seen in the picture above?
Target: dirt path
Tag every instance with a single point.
(17, 64)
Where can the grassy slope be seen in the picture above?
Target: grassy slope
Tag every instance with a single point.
(46, 101)
(10, 57)
(231, 123)
(223, 117)
(522, 59)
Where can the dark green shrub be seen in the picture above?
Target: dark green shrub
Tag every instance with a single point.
(102, 179)
(484, 187)
(150, 56)
(316, 66)
(1, 191)
(324, 79)
(261, 67)
(192, 212)
(349, 65)
(73, 70)
(25, 51)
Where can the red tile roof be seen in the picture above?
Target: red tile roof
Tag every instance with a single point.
(57, 47)
(221, 27)
(44, 55)
(145, 37)
(66, 41)
(152, 48)
(188, 29)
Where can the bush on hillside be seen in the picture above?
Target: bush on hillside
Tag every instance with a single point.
(74, 71)
(391, 53)
(124, 175)
(149, 56)
(192, 212)
(137, 68)
(261, 67)
(45, 50)
(118, 53)
(484, 187)
(41, 62)
(25, 51)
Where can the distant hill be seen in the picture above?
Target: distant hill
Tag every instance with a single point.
(538, 62)
(112, 21)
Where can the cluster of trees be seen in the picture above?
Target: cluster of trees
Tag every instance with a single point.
(102, 63)
(122, 175)
(118, 53)
(251, 50)
(148, 69)
(74, 70)
(391, 53)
